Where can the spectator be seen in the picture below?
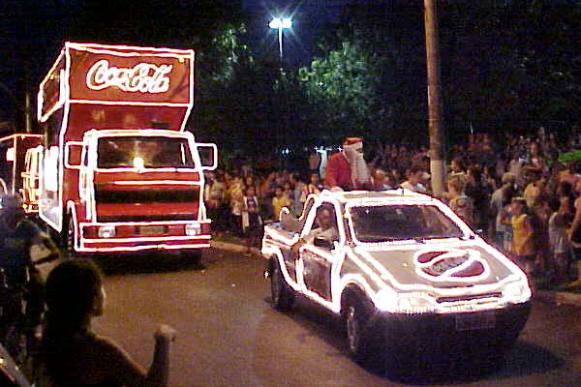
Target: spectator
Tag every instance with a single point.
(73, 354)
(459, 202)
(314, 187)
(251, 220)
(379, 180)
(416, 175)
(559, 242)
(523, 246)
(476, 191)
(499, 199)
(214, 196)
(280, 201)
(236, 203)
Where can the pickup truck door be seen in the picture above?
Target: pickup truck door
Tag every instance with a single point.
(317, 263)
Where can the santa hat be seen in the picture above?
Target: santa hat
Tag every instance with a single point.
(352, 140)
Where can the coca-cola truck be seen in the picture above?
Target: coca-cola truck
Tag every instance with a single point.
(119, 172)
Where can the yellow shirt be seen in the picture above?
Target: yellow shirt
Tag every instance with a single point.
(522, 236)
(278, 204)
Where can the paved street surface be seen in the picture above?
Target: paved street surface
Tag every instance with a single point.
(230, 336)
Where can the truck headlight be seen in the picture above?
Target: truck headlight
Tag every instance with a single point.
(415, 303)
(516, 291)
(106, 231)
(388, 300)
(193, 229)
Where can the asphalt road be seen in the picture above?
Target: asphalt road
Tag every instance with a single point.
(230, 336)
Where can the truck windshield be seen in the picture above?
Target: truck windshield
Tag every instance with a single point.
(144, 152)
(374, 224)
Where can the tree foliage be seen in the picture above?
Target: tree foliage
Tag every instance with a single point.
(345, 87)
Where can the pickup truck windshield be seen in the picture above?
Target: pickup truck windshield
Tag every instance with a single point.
(144, 152)
(401, 222)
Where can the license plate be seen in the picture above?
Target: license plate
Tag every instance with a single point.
(152, 230)
(472, 322)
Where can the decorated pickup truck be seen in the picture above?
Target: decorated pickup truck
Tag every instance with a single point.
(401, 269)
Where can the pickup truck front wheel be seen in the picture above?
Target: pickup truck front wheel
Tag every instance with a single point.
(282, 295)
(364, 343)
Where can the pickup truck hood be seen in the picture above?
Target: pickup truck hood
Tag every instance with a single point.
(441, 264)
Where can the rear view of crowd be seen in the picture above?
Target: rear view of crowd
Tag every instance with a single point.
(516, 193)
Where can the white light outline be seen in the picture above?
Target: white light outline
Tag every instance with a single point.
(380, 274)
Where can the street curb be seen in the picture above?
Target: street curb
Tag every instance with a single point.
(233, 247)
(558, 298)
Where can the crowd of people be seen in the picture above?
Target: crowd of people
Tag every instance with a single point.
(515, 192)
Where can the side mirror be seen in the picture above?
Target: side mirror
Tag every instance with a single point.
(208, 155)
(73, 154)
(323, 243)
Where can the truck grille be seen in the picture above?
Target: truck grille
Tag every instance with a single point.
(147, 196)
(145, 218)
(468, 298)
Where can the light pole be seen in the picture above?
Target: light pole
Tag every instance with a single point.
(436, 129)
(280, 24)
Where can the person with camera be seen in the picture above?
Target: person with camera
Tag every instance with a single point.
(72, 353)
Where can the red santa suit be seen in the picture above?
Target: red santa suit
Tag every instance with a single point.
(348, 169)
(338, 173)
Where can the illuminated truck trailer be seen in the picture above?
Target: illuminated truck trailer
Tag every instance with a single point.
(118, 170)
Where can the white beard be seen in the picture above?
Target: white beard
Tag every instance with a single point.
(359, 171)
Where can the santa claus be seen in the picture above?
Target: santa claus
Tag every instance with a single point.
(348, 169)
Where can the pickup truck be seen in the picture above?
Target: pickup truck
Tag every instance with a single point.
(404, 273)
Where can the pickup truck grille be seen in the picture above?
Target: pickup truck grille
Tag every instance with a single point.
(468, 298)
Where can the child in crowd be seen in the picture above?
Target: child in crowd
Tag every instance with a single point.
(251, 221)
(559, 224)
(459, 202)
(523, 247)
(279, 201)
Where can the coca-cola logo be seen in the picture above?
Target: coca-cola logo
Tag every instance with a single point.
(450, 264)
(142, 78)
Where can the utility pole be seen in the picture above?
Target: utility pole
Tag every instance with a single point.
(436, 130)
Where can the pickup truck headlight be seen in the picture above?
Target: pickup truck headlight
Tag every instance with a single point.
(417, 302)
(516, 292)
(106, 231)
(193, 229)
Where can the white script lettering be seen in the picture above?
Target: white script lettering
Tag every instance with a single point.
(143, 78)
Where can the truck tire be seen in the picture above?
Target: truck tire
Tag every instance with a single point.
(282, 295)
(364, 344)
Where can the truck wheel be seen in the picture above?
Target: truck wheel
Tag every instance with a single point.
(362, 344)
(281, 294)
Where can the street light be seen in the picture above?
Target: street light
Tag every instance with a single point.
(280, 24)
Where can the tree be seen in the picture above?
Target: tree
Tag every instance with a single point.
(344, 88)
